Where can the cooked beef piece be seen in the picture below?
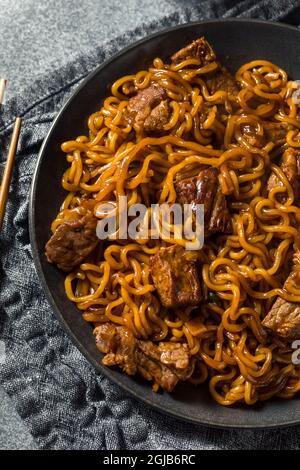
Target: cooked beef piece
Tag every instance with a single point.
(158, 117)
(106, 341)
(271, 383)
(119, 346)
(199, 49)
(219, 79)
(284, 317)
(175, 277)
(219, 216)
(72, 242)
(222, 80)
(174, 355)
(204, 189)
(290, 166)
(149, 109)
(152, 370)
(200, 189)
(165, 363)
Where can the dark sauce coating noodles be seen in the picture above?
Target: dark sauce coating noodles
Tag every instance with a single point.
(243, 135)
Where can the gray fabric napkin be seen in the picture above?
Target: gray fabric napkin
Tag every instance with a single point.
(61, 399)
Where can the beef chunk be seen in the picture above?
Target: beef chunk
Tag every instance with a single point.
(72, 242)
(171, 357)
(222, 80)
(289, 165)
(119, 346)
(149, 109)
(204, 189)
(158, 117)
(271, 382)
(219, 216)
(199, 49)
(152, 370)
(166, 363)
(284, 317)
(174, 355)
(175, 277)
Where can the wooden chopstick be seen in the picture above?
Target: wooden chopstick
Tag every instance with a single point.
(8, 168)
(2, 89)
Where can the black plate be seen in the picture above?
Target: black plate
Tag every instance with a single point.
(236, 42)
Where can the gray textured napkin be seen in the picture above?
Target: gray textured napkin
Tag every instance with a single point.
(57, 393)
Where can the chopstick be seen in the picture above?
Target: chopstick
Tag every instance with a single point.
(8, 168)
(2, 89)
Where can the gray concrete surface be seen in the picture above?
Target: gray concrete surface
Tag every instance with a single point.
(37, 36)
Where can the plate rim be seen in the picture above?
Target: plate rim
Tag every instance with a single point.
(35, 252)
